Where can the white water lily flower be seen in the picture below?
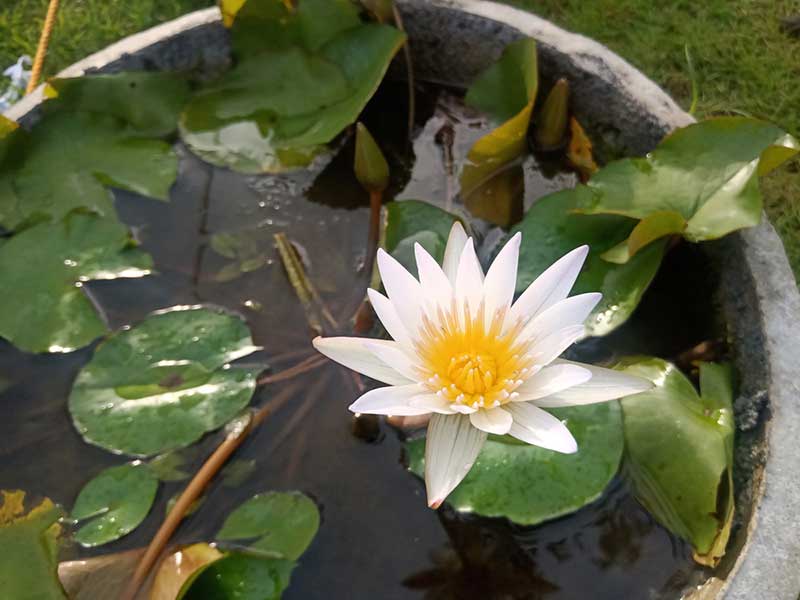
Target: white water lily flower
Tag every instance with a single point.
(462, 351)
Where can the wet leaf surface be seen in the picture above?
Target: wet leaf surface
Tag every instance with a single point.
(114, 503)
(529, 485)
(239, 575)
(43, 301)
(165, 382)
(680, 451)
(323, 66)
(285, 523)
(178, 567)
(705, 176)
(29, 547)
(550, 229)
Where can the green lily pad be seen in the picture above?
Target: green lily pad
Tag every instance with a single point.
(701, 182)
(239, 575)
(29, 565)
(116, 501)
(411, 221)
(302, 76)
(691, 498)
(47, 178)
(550, 229)
(246, 248)
(165, 382)
(529, 485)
(149, 102)
(284, 523)
(42, 305)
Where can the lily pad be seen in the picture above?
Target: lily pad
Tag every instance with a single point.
(700, 182)
(246, 248)
(239, 575)
(165, 382)
(302, 76)
(149, 102)
(550, 229)
(284, 523)
(412, 221)
(116, 501)
(491, 186)
(29, 543)
(42, 304)
(691, 498)
(178, 567)
(529, 485)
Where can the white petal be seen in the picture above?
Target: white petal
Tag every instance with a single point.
(469, 279)
(390, 400)
(492, 420)
(549, 348)
(435, 284)
(551, 380)
(396, 357)
(501, 279)
(452, 252)
(605, 384)
(551, 286)
(538, 427)
(432, 403)
(403, 290)
(572, 311)
(354, 354)
(451, 447)
(388, 316)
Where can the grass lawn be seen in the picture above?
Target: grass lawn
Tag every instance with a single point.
(744, 63)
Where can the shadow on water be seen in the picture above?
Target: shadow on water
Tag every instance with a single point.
(377, 539)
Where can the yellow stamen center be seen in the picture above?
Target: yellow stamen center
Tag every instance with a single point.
(469, 363)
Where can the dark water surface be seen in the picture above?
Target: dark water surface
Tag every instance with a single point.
(378, 540)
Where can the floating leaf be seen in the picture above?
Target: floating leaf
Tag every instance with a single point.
(370, 166)
(701, 182)
(302, 77)
(193, 507)
(665, 426)
(178, 567)
(148, 101)
(46, 178)
(284, 523)
(411, 221)
(241, 576)
(165, 382)
(28, 542)
(491, 186)
(528, 484)
(550, 230)
(245, 247)
(551, 126)
(171, 466)
(103, 576)
(42, 305)
(117, 501)
(236, 472)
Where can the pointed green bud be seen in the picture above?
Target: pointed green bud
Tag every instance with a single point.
(551, 126)
(371, 169)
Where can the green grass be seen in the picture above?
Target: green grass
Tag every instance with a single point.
(743, 63)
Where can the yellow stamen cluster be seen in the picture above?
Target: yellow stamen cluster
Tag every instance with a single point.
(470, 364)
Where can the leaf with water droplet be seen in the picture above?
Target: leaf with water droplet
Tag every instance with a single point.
(239, 575)
(29, 543)
(323, 66)
(179, 567)
(691, 498)
(163, 383)
(43, 305)
(550, 229)
(115, 502)
(528, 484)
(284, 523)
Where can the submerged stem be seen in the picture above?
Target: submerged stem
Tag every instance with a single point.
(312, 362)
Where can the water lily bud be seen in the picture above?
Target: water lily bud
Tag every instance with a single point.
(371, 168)
(551, 127)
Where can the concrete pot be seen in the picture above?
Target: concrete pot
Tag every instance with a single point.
(452, 41)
